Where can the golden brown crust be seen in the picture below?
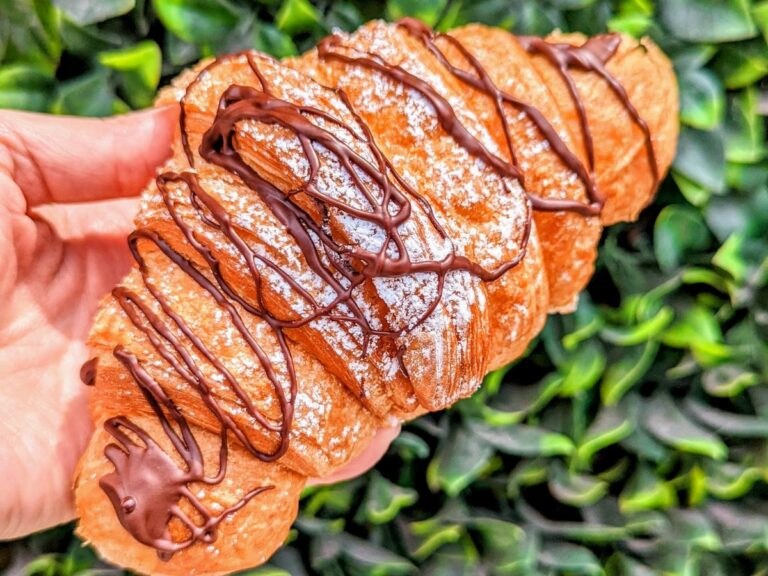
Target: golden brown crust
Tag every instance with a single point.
(344, 393)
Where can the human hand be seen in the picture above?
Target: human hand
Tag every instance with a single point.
(67, 201)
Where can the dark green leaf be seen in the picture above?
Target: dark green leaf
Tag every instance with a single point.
(521, 440)
(460, 459)
(89, 95)
(385, 499)
(727, 423)
(701, 158)
(678, 231)
(702, 99)
(664, 420)
(570, 559)
(575, 489)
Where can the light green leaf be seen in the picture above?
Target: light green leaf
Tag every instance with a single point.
(646, 491)
(623, 374)
(610, 426)
(297, 16)
(384, 499)
(641, 332)
(742, 66)
(584, 369)
(425, 10)
(139, 66)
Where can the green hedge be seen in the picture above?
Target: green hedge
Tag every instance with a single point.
(633, 437)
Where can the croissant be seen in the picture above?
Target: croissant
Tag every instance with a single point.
(341, 240)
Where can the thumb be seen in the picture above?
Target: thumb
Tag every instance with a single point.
(60, 159)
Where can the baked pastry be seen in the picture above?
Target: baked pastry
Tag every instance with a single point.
(342, 239)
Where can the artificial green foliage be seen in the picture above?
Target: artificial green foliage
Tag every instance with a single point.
(632, 438)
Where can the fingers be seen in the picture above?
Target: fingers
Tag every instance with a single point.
(364, 461)
(64, 159)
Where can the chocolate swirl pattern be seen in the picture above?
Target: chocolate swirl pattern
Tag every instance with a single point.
(351, 241)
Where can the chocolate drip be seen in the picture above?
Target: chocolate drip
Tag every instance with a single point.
(88, 372)
(592, 56)
(482, 81)
(147, 485)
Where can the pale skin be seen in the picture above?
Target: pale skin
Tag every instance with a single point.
(68, 189)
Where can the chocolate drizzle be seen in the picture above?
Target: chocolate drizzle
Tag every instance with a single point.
(148, 485)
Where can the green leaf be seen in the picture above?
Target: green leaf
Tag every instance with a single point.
(270, 40)
(384, 499)
(360, 555)
(627, 371)
(460, 459)
(697, 324)
(745, 130)
(584, 369)
(639, 333)
(702, 99)
(430, 535)
(25, 88)
(742, 66)
(610, 426)
(728, 380)
(139, 67)
(575, 489)
(265, 571)
(521, 440)
(425, 10)
(708, 20)
(570, 559)
(197, 21)
(88, 95)
(646, 491)
(728, 481)
(296, 16)
(84, 12)
(635, 24)
(701, 158)
(513, 403)
(664, 420)
(727, 423)
(678, 231)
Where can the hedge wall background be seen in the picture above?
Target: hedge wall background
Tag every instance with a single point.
(633, 437)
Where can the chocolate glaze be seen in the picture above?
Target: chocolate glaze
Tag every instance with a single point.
(88, 372)
(592, 56)
(148, 486)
